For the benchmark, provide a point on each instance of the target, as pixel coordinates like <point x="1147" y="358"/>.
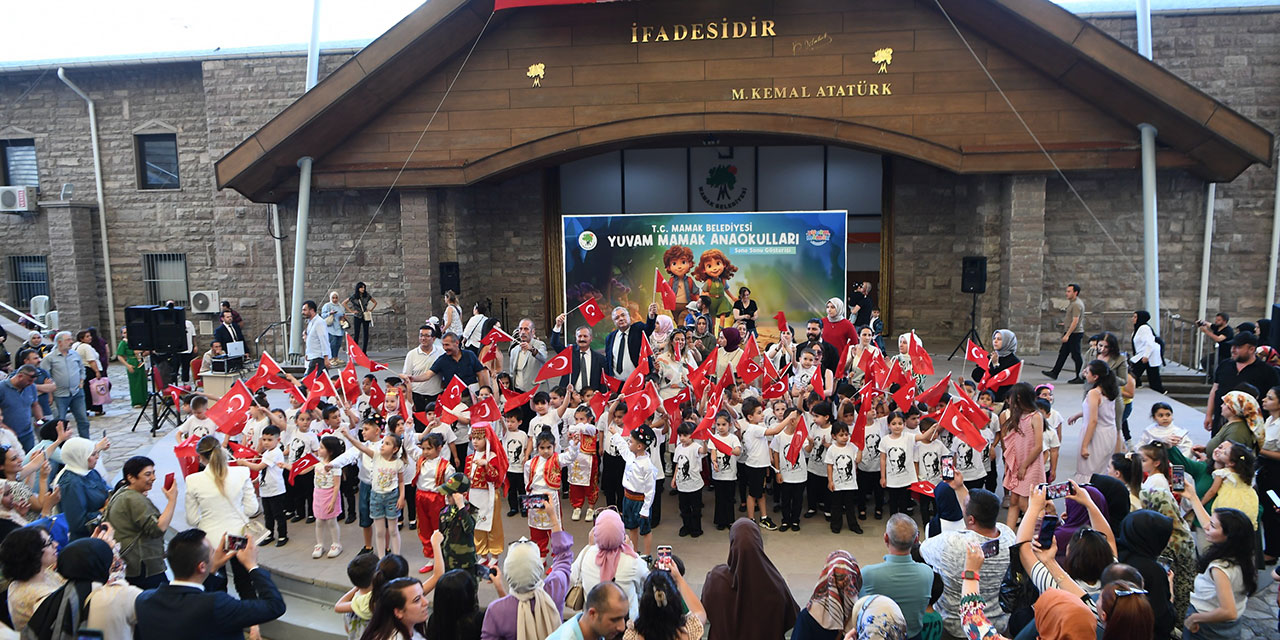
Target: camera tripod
<point x="155" y="405"/>
<point x="963" y="345"/>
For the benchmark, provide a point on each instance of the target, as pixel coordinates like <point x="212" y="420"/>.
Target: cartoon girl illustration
<point x="714" y="271"/>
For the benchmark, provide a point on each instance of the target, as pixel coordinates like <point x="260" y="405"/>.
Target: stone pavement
<point x="798" y="555"/>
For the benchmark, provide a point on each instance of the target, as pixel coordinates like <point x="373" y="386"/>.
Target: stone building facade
<point x="1036" y="234"/>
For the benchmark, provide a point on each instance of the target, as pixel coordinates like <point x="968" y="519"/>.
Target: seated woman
<point x="27" y="558"/>
<point x="1227" y="574"/>
<point x="663" y="607"/>
<point x="536" y="602"/>
<point x="830" y="610"/>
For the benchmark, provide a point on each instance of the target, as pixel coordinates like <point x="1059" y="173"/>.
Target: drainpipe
<point x="102" y="206"/>
<point x="275" y="220"/>
<point x="1275" y="249"/>
<point x="1204" y="261"/>
<point x="304" y="195"/>
<point x="1150" y="242"/>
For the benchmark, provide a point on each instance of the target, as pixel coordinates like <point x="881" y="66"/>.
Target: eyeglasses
<point x="49" y="542"/>
<point x="1130" y="592"/>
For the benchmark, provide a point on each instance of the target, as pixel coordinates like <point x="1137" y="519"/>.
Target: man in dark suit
<point x="184" y="609"/>
<point x="586" y="366"/>
<point x="229" y="331"/>
<point x="622" y="346"/>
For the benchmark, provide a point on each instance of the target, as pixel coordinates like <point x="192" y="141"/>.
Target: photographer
<point x="663" y="602"/>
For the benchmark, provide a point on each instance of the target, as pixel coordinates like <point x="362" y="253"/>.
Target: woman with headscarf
<point x="1243" y="420"/>
<point x="534" y="605"/>
<point x="360" y="306"/>
<point x="877" y="618"/>
<point x="949" y="516"/>
<point x="1116" y="496"/>
<point x="1059" y="615"/>
<point x="746" y="598"/>
<point x="610" y="557"/>
<point x="728" y="354"/>
<point x="84" y="492"/>
<point x="1147" y="352"/>
<point x="837" y="331"/>
<point x="903" y="358"/>
<point x="87" y="567"/>
<point x="1004" y="348"/>
<point x="669" y="608"/>
<point x="1144" y="535"/>
<point x="1181" y="548"/>
<point x="1076" y="518"/>
<point x="830" y="610"/>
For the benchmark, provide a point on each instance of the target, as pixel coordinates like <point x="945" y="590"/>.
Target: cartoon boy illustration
<point x="714" y="271"/>
<point x="679" y="262"/>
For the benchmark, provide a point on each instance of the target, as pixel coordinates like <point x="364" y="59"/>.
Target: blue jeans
<point x="336" y="343"/>
<point x="75" y="404"/>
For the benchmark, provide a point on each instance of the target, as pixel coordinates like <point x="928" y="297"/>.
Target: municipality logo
<point x="587" y="240"/>
<point x="818" y="237"/>
<point x="721" y="190"/>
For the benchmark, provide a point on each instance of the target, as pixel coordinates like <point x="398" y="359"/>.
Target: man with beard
<point x="813" y="339"/>
<point x="1243" y="368"/>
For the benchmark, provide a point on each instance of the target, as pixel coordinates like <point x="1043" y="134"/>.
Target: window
<point x="165" y="277"/>
<point x="157" y="161"/>
<point x="18" y="163"/>
<point x="28" y="277"/>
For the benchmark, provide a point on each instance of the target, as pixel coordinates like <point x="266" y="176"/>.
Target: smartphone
<point x="483" y="573"/>
<point x="1047" y="527"/>
<point x="664" y="556"/>
<point x="1058" y="490"/>
<point x="168" y="481"/>
<point x="1177" y="481"/>
<point x="948" y="468"/>
<point x="1165" y="563"/>
<point x="88" y="634"/>
<point x="990" y="548"/>
<point x="236" y="543"/>
<point x="533" y="501"/>
<point x="1274" y="498"/>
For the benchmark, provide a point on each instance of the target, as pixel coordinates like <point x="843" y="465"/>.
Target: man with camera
<point x="1219" y="331"/>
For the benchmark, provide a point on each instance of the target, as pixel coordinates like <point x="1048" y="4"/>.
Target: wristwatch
<point x="969" y="575"/>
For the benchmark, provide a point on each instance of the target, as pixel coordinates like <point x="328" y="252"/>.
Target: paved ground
<point x="799" y="555"/>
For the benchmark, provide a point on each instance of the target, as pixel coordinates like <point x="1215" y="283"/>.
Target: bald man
<point x="905" y="581"/>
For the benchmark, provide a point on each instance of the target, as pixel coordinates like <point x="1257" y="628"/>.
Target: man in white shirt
<point x="417" y="362"/>
<point x="528" y="353"/>
<point x="317" y="340"/>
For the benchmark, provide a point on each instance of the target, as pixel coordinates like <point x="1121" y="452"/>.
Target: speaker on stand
<point x="973" y="280"/>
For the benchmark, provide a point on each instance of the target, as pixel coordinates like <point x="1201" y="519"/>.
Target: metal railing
<point x="1184" y="344"/>
<point x="275" y="341"/>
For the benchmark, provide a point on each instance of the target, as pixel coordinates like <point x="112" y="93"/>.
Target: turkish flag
<point x="750" y="348"/>
<point x="241" y="452"/>
<point x="175" y="394"/>
<point x="974" y="353"/>
<point x="748" y="369"/>
<point x="703" y="430"/>
<point x="952" y="421"/>
<point x="485" y="411"/>
<point x="1004" y="378"/>
<point x="898" y="376"/>
<point x="452" y="394"/>
<point x="969" y="408"/>
<point x="613" y="383"/>
<point x="865" y="362"/>
<point x="556" y="367"/>
<point x="422" y="417"/>
<point x="495" y="336"/>
<point x="187" y="448"/>
<point x="664" y="289"/>
<point x="591" y="311"/>
<point x="405" y="413"/>
<point x="782" y="321"/>
<point x="797" y="442"/>
<point x="634" y="383"/>
<point x="598" y="402"/>
<point x="842" y="364"/>
<point x="646" y="352"/>
<point x="922" y="487"/>
<point x="515" y="400"/>
<point x="920" y="361"/>
<point x="232" y="410"/>
<point x="817" y="381"/>
<point x="672" y="404"/>
<point x="640" y="406"/>
<point x="720" y="445"/>
<point x="302" y="464"/>
<point x="350" y="384"/>
<point x="904" y="396"/>
<point x="267" y="369"/>
<point x="318" y="386"/>
<point x="725" y="380"/>
<point x="770" y="371"/>
<point x="358" y="356"/>
<point x="776" y="390"/>
<point x="933" y="394"/>
<point x="490" y="354"/>
<point x="377" y="397"/>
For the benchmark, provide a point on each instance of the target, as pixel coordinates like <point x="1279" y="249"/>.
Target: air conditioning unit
<point x="204" y="302"/>
<point x="17" y="199"/>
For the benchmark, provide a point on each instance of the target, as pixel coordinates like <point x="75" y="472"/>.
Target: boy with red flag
<point x="686" y="479"/>
<point x="790" y="454"/>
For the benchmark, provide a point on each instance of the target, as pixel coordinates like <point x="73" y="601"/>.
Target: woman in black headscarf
<point x="1144" y="534"/>
<point x="746" y="598"/>
<point x="82" y="563"/>
<point x="1147" y="354"/>
<point x="1117" y="496"/>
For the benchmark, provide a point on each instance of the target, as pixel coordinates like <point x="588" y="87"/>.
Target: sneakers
<point x="577" y="514"/>
<point x="511" y="513"/>
<point x="767" y="523"/>
<point x="335" y="550"/>
<point x="271" y="537"/>
<point x="413" y="525"/>
<point x="795" y="526"/>
<point x="856" y="528"/>
<point x="786" y="526"/>
<point x="318" y="551"/>
<point x="591" y="515"/>
<point x="297" y="517"/>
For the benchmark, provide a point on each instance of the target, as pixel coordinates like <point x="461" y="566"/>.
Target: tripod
<point x="160" y="410"/>
<point x="973" y="331"/>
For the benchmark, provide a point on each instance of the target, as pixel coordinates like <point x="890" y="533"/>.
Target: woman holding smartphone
<point x="139" y="525"/>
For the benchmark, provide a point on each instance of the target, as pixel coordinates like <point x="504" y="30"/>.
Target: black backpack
<point x="1017" y="593"/>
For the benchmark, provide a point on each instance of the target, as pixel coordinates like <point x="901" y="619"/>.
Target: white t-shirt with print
<point x="384" y="474"/>
<point x="821" y="439"/>
<point x="199" y="427"/>
<point x="515" y="443"/>
<point x="547" y="421"/>
<point x="687" y="465"/>
<point x="929" y="454"/>
<point x="755" y="447"/>
<point x="842" y="461"/>
<point x="791" y="473"/>
<point x="724" y="467"/>
<point x="899" y="454"/>
<point x="871" y="448"/>
<point x="273" y="476"/>
<point x="968" y="461"/>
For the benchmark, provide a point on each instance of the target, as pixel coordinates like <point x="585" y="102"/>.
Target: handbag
<point x="367" y="316"/>
<point x="251" y="529"/>
<point x="329" y="320"/>
<point x="575" y="598"/>
<point x="100" y="390"/>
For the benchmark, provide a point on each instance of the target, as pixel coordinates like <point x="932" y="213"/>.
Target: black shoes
<point x="1049" y="374"/>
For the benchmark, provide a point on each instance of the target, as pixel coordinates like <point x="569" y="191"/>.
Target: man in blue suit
<point x="184" y="609"/>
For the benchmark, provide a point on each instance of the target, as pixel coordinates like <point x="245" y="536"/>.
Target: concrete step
<point x="1189" y="399"/>
<point x="309" y="611"/>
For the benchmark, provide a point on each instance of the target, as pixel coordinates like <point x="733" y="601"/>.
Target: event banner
<point x="790" y="261"/>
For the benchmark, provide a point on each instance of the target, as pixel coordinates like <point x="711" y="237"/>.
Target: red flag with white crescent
<point x="797" y="441"/>
<point x="302" y="464"/>
<point x="231" y="411"/>
<point x="495" y="336"/>
<point x="187" y="448"/>
<point x="452" y="394"/>
<point x="748" y="369"/>
<point x="591" y="311"/>
<point x="377" y="397"/>
<point x="598" y="402"/>
<point x="672" y="404"/>
<point x="664" y="289"/>
<point x="816" y="381"/>
<point x="974" y="353"/>
<point x="350" y="383"/>
<point x="920" y="361"/>
<point x="1004" y="378"/>
<point x="485" y="411"/>
<point x="720" y="445"/>
<point x="515" y="400"/>
<point x="634" y="383"/>
<point x="556" y="367"/>
<point x="640" y="406"/>
<point x="933" y="394"/>
<point x="268" y="368"/>
<point x="613" y="383"/>
<point x="969" y="408"/>
<point x="952" y="421"/>
<point x="775" y="390"/>
<point x="357" y="354"/>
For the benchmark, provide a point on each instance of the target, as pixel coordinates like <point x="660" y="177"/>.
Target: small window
<point x="18" y="163"/>
<point x="28" y="277"/>
<point x="165" y="277"/>
<point x="158" y="161"/>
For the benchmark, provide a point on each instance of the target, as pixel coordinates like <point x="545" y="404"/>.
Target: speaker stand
<point x="156" y="406"/>
<point x="963" y="345"/>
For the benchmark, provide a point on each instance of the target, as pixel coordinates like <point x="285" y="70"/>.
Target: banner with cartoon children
<point x="788" y="261"/>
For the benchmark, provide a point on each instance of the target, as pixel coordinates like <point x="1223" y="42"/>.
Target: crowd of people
<point x="1157" y="536"/>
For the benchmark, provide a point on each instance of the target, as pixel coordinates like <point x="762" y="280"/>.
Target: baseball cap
<point x="1244" y="338"/>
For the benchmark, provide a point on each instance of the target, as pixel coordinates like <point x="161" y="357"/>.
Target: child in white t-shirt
<point x="198" y="424"/>
<point x="898" y="458"/>
<point x="929" y="452"/>
<point x="819" y="422"/>
<point x="755" y="458"/>
<point x="869" y="464"/>
<point x="1052" y="443"/>
<point x="686" y="479"/>
<point x="1164" y="430"/>
<point x="791" y="476"/>
<point x="724" y="468"/>
<point x="842" y="458"/>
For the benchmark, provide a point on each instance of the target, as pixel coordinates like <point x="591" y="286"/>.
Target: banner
<point x="791" y="261"/>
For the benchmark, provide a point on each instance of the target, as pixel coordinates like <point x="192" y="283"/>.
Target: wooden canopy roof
<point x="360" y="122"/>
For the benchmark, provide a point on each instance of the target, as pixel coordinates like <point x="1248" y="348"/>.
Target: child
<point x="274" y="501"/>
<point x="724" y="470"/>
<point x="841" y="458"/>
<point x="756" y="458"/>
<point x="639" y="484"/>
<point x="819" y="423"/>
<point x="1231" y="487"/>
<point x="544" y="420"/>
<point x="1052" y="441"/>
<point x="583" y="489"/>
<point x="304" y="442"/>
<point x="898" y="459"/>
<point x="987" y="400"/>
<point x="1155" y="464"/>
<point x="198" y="424"/>
<point x="355" y="605"/>
<point x="542" y="476"/>
<point x="431" y="472"/>
<point x="1126" y="468"/>
<point x="370" y="431"/>
<point x="486" y="469"/>
<point x="658" y="423"/>
<point x="386" y="496"/>
<point x="868" y="480"/>
<point x="515" y="442"/>
<point x="686" y="478"/>
<point x="434" y="425"/>
<point x="612" y="465"/>
<point x="1163" y="429"/>
<point x="325" y="496"/>
<point x="930" y="454"/>
<point x="458" y="524"/>
<point x="791" y="477"/>
<point x="260" y="416"/>
<point x="969" y="461"/>
<point x="1054" y="421"/>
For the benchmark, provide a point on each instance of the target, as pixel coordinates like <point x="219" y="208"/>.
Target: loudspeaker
<point x="169" y="329"/>
<point x="450" y="277"/>
<point x="137" y="321"/>
<point x="973" y="274"/>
